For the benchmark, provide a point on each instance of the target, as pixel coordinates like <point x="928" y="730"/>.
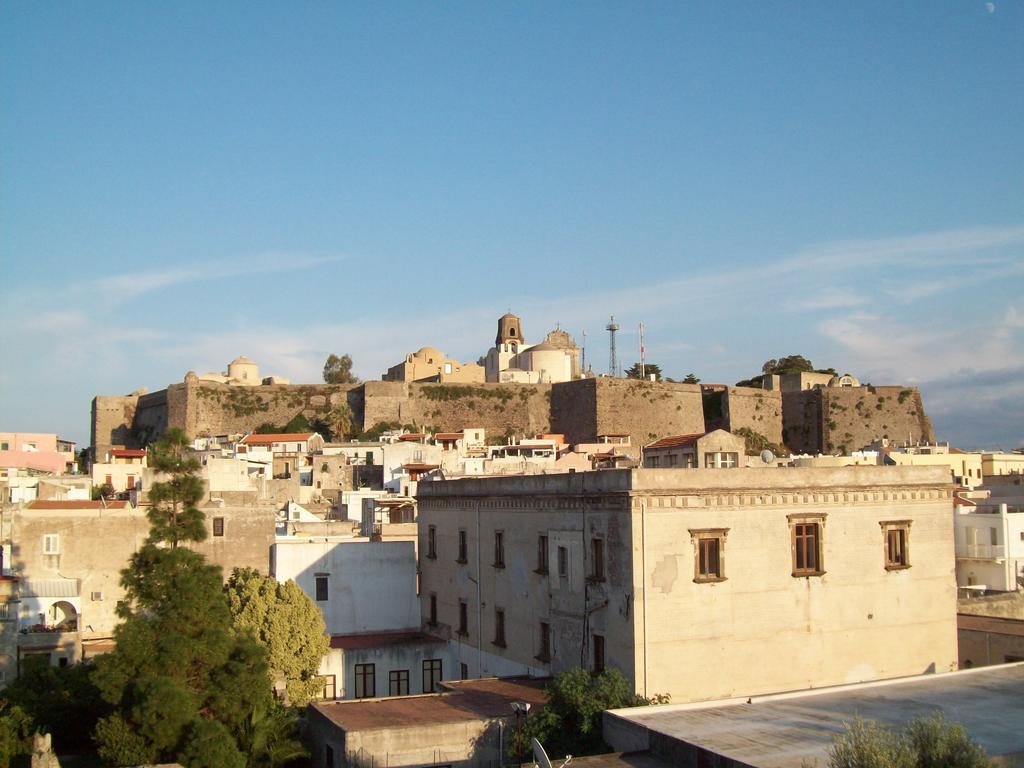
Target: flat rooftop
<point x="785" y="730"/>
<point x="465" y="700"/>
<point x="639" y="481"/>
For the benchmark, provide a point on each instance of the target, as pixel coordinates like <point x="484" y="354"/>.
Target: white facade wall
<point x="371" y="584"/>
<point x="990" y="548"/>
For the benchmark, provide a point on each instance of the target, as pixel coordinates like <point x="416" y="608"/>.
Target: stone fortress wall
<point x="825" y="419"/>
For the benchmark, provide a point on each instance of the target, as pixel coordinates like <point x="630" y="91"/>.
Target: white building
<point x="990" y="548"/>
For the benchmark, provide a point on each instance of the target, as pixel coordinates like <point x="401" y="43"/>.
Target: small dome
<point x="241" y="360"/>
<point x="429" y="352"/>
<point x="545" y="346"/>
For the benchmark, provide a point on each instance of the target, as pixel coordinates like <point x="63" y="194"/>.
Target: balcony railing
<point x="982" y="551"/>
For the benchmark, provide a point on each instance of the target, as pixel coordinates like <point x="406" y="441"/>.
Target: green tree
<point x="287" y="623"/>
<point x="299" y="423"/>
<point x="691" y="379"/>
<point x="338" y="370"/>
<point x="173" y="515"/>
<point x="570" y="723"/>
<point x="633" y="372"/>
<point x="15" y="733"/>
<point x="63" y="702"/>
<point x="182" y="685"/>
<point x="927" y="742"/>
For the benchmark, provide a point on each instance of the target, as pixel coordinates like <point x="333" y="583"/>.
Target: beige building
<point x="432" y="365"/>
<point x="993" y="464"/>
<point x="717" y="449"/>
<point x="512" y="361"/>
<point x="846" y="574"/>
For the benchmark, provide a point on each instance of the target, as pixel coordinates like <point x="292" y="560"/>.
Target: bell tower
<point x="510" y="330"/>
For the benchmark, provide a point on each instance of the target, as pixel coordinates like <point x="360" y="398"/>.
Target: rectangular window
<point x="542" y="554"/>
<point x="598" y="666"/>
<point x="321" y="588"/>
<point x="328" y="756"/>
<point x="130" y="485"/>
<point x="709" y="553"/>
<point x="545" y="642"/>
<point x="218" y="526"/>
<point x="499" y="549"/>
<point x="463" y="548"/>
<point x="109" y="481"/>
<point x="897" y="541"/>
<point x="499" y="627"/>
<point x="366" y="681"/>
<point x="431" y="675"/>
<point x="329" y="690"/>
<point x="398" y="682"/>
<point x="563" y="561"/>
<point x="5" y="612"/>
<point x="51" y="543"/>
<point x="463" y="618"/>
<point x="463" y="671"/>
<point x="433" y="610"/>
<point x="807" y="548"/>
<point x="721" y="460"/>
<point x="597" y="559"/>
<point x="432" y="542"/>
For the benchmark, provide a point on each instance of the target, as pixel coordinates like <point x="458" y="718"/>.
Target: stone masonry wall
<point x="211" y="408"/>
<point x="853" y="417"/>
<point x="759" y="410"/>
<point x="801" y="421"/>
<point x="647" y="410"/>
<point x="112" y="418"/>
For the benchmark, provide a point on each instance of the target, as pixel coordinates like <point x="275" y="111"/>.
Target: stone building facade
<point x="845" y="573"/>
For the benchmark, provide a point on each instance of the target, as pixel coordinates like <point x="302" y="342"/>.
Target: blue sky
<point x="182" y="183"/>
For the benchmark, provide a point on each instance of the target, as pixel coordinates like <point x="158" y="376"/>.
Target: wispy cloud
<point x="134" y="284"/>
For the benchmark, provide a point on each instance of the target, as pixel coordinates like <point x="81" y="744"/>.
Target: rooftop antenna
<point x="612" y="329"/>
<point x="643" y="368"/>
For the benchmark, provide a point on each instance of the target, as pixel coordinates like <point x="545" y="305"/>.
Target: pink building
<point x="35" y="450"/>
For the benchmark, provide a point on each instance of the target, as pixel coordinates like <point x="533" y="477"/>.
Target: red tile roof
<point x="79" y="505"/>
<point x="127" y="453"/>
<point x="448" y="436"/>
<point x="420" y="467"/>
<point x="413" y="437"/>
<point x="675" y="440"/>
<point x="379" y="639"/>
<point x="285" y="437"/>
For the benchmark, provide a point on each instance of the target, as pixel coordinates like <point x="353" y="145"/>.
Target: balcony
<point x="981" y="551"/>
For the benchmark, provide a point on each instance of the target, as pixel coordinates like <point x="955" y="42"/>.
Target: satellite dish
<point x="767" y="456"/>
<point x="539" y="755"/>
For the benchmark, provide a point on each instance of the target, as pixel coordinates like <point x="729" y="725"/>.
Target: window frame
<point x="597" y="654"/>
<point x="542" y="554"/>
<point x="463" y="547"/>
<point x="432" y="542"/>
<point x="398" y="677"/>
<point x="218" y="527"/>
<point x="596" y="559"/>
<point x="361" y="673"/>
<point x="324" y="580"/>
<point x="901" y="527"/>
<point x="798" y="527"/>
<point x="702" y="573"/>
<point x="499" y="628"/>
<point x="463" y="630"/>
<point x="51" y="543"/>
<point x="435" y="669"/>
<point x="544" y="654"/>
<point x="432" y="610"/>
<point x="499" y="549"/>
<point x="563" y="562"/>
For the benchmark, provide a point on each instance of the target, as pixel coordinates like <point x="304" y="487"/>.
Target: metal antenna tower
<point x="613" y="363"/>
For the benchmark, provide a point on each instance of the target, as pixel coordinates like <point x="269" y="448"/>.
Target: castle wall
<point x="853" y="417"/>
<point x="209" y="408"/>
<point x="759" y="410"/>
<point x="112" y="418"/>
<point x="644" y="410"/>
<point x="801" y="421"/>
